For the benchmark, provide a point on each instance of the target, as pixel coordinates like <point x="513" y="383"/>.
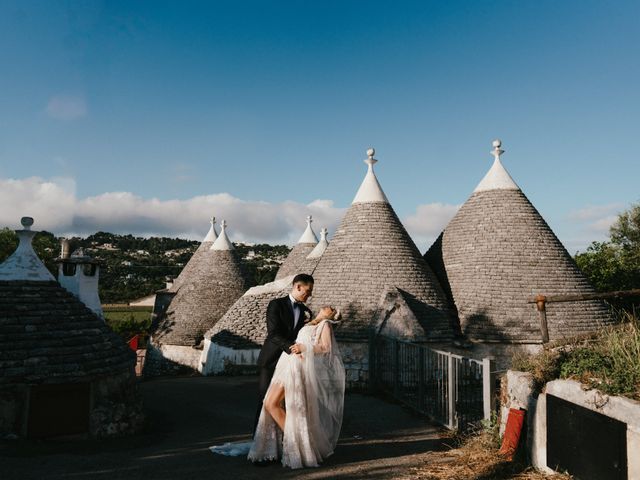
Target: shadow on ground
<point x="186" y="415"/>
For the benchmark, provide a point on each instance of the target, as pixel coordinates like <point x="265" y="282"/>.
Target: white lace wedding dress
<point x="314" y="399"/>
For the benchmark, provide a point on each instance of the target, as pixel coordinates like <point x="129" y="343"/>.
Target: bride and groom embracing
<point x="301" y="385"/>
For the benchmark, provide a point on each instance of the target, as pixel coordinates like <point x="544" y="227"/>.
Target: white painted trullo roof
<point x="212" y="235"/>
<point x="24" y="264"/>
<point x="222" y="242"/>
<point x="370" y="190"/>
<point x="497" y="178"/>
<point x="322" y="245"/>
<point x="309" y="236"/>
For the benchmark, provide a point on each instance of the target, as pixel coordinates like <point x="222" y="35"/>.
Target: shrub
<point x="545" y="366"/>
<point x="610" y="361"/>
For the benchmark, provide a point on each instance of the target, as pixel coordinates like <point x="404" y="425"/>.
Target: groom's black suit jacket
<point x="281" y="333"/>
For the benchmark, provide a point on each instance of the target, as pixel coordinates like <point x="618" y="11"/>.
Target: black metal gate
<point x="449" y="388"/>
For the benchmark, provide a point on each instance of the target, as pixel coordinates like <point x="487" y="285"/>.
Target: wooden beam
<point x="587" y="296"/>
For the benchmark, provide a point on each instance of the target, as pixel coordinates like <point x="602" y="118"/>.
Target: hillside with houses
<point x="133" y="267"/>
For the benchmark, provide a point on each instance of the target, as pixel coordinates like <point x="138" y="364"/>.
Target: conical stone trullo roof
<point x="215" y="282"/>
<point x="496" y="254"/>
<point x="372" y="267"/>
<point x="47" y="335"/>
<point x="195" y="262"/>
<point x="244" y="325"/>
<point x="311" y="262"/>
<point x="299" y="253"/>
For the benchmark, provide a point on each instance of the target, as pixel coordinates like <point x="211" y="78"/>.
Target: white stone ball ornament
<point x="26" y="222"/>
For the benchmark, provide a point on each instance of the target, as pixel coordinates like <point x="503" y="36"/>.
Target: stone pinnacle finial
<point x="496" y="152"/>
<point x="223" y="224"/>
<point x="212" y="221"/>
<point x="370" y="160"/>
<point x="26" y="222"/>
<point x="324" y="232"/>
<point x="309" y="219"/>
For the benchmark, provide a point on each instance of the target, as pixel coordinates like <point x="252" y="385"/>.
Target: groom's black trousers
<point x="264" y="379"/>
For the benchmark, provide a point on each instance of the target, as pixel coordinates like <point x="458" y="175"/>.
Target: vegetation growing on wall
<point x="608" y="360"/>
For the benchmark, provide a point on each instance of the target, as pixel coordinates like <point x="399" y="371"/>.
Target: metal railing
<point x="453" y="390"/>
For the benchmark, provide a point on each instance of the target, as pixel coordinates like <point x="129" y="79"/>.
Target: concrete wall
<point x="215" y="358"/>
<point x="187" y="356"/>
<point x="517" y="392"/>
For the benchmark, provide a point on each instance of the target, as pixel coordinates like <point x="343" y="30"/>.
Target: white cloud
<point x="591" y="212"/>
<point x="427" y="223"/>
<point x="66" y="107"/>
<point x="55" y="207"/>
<point x="589" y="224"/>
<point x="50" y="202"/>
<point x="596" y="218"/>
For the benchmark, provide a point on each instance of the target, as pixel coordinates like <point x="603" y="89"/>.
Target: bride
<point x="302" y="411"/>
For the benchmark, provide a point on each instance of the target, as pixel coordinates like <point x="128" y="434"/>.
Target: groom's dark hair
<point x="302" y="278"/>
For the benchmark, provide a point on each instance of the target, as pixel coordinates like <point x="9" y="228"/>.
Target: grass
<point x="475" y="457"/>
<point x="128" y="321"/>
<point x="606" y="360"/>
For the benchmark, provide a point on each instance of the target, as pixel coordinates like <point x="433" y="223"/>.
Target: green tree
<point x="615" y="264"/>
<point x="8" y="243"/>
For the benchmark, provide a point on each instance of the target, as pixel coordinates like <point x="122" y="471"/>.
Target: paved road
<point x="186" y="415"/>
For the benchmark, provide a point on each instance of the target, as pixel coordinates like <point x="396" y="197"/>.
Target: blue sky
<point x="148" y="117"/>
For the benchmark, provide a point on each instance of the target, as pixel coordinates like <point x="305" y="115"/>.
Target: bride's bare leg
<point x="273" y="404"/>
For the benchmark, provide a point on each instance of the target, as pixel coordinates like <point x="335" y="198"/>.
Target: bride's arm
<point x="323" y="342"/>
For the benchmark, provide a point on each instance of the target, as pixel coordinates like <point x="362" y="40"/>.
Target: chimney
<point x="79" y="274"/>
<point x="65" y="249"/>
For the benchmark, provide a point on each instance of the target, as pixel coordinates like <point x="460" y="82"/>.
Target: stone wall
<point x="13" y="413"/>
<point x="116" y="406"/>
<point x="517" y="392"/>
<point x="355" y="356"/>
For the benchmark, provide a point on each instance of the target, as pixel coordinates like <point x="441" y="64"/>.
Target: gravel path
<point x="188" y="414"/>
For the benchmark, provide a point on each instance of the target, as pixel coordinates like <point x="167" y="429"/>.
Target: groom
<point x="285" y="317"/>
